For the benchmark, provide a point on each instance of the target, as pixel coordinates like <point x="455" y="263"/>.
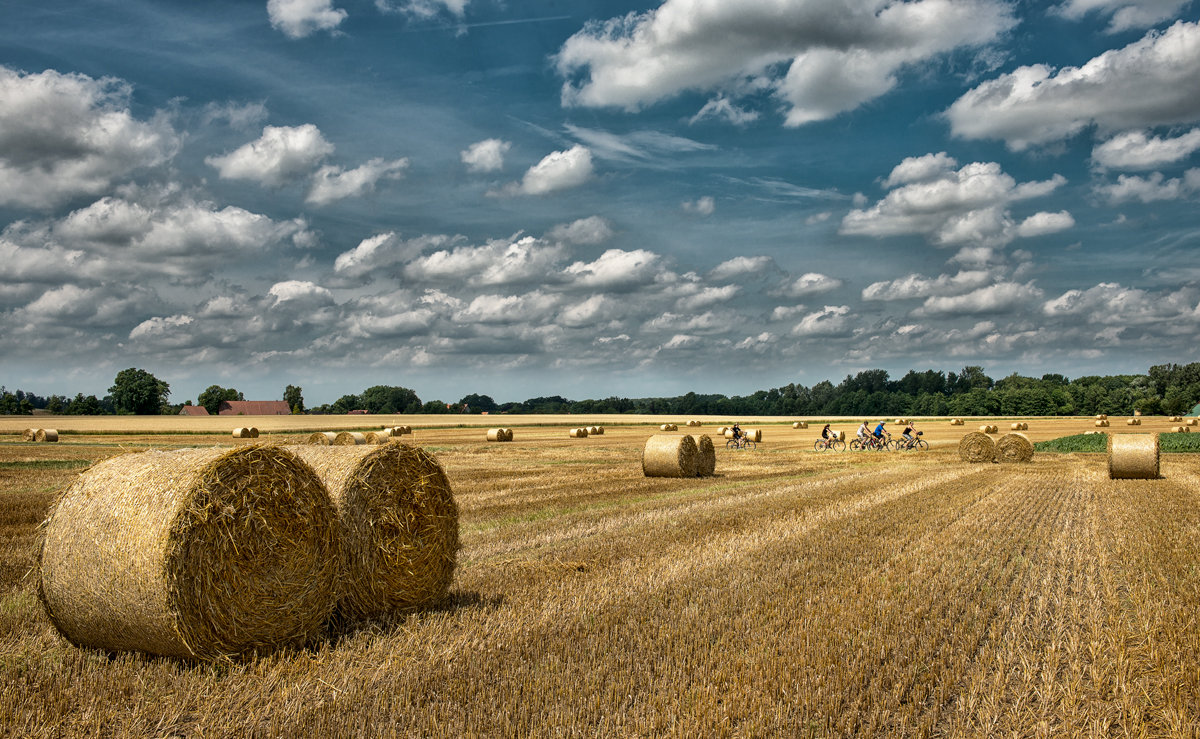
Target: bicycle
<point x="740" y="443"/>
<point x="821" y="445"/>
<point x="917" y="443"/>
<point x="871" y="443"/>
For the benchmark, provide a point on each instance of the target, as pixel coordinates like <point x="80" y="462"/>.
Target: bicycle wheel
<point x="750" y="445"/>
<point x="730" y="444"/>
<point x="886" y="445"/>
<point x="855" y="446"/>
<point x="818" y="446"/>
<point x="839" y="446"/>
<point x="922" y="445"/>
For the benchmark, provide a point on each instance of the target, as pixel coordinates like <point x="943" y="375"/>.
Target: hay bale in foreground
<point x="29" y="435"/>
<point x="578" y="433"/>
<point x="706" y="455"/>
<point x="398" y="525"/>
<point x="46" y="435"/>
<point x="1133" y="456"/>
<point x="349" y="438"/>
<point x="977" y="446"/>
<point x="1014" y="448"/>
<point x="321" y="438"/>
<point x="670" y="456"/>
<point x="191" y="553"/>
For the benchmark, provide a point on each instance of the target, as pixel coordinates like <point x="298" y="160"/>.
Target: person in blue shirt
<point x="878" y="434"/>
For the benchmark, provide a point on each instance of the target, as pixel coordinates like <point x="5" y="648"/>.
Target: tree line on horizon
<point x="1167" y="389"/>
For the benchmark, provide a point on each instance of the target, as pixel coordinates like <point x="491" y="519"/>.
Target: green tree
<point x="212" y="396"/>
<point x="390" y="399"/>
<point x="138" y="392"/>
<point x="293" y="396"/>
<point x="435" y="406"/>
<point x="84" y="406"/>
<point x="480" y="403"/>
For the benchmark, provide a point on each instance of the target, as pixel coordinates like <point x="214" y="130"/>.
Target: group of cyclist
<point x="869" y="438"/>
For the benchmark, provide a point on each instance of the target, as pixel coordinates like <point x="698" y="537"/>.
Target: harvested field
<point x="793" y="594"/>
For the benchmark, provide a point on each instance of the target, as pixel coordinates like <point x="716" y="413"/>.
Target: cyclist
<point x="827" y="435"/>
<point x="878" y="433"/>
<point x="910" y="434"/>
<point x="863" y="432"/>
<point x="737" y="432"/>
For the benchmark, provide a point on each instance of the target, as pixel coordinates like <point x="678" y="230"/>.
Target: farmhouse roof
<point x="254" y="408"/>
<point x="193" y="410"/>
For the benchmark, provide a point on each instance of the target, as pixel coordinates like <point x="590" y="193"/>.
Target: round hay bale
<point x="956" y="422"/>
<point x="977" y="446"/>
<point x="253" y="432"/>
<point x="578" y="433"/>
<point x="1179" y="429"/>
<point x="321" y="438"/>
<point x="241" y="433"/>
<point x="706" y="456"/>
<point x="1014" y="448"/>
<point x="664" y="427"/>
<point x="599" y="431"/>
<point x="670" y="456"/>
<point x="728" y="433"/>
<point x="1102" y="424"/>
<point x="1133" y="456"/>
<point x="495" y="435"/>
<point x="29" y="435"/>
<point x="1190" y="422"/>
<point x="375" y="438"/>
<point x="508" y="434"/>
<point x="1101" y="417"/>
<point x="349" y="438"/>
<point x="1174" y="419"/>
<point x="398" y="524"/>
<point x="191" y="553"/>
<point x="1134" y="422"/>
<point x="754" y="435"/>
<point x="1014" y="426"/>
<point x="46" y="435"/>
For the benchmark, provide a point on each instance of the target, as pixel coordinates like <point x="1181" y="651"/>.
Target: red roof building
<point x="254" y="408"/>
<point x="193" y="410"/>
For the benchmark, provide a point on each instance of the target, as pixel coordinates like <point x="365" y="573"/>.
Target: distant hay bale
<point x="1101" y="417"/>
<point x="191" y="553"/>
<point x="1014" y="448"/>
<point x="400" y="430"/>
<point x="500" y="434"/>
<point x="706" y="456"/>
<point x="241" y="433"/>
<point x="578" y="433"/>
<point x="1179" y="429"/>
<point x="670" y="456"/>
<point x="1102" y="424"/>
<point x="1133" y="456"/>
<point x="1191" y="422"/>
<point x="1174" y="419"/>
<point x="349" y="438"/>
<point x="321" y="438"/>
<point x="398" y="525"/>
<point x="376" y="438"/>
<point x="253" y="432"/>
<point x="46" y="435"/>
<point x="693" y="424"/>
<point x="1014" y="426"/>
<point x="977" y="446"/>
<point x="508" y="434"/>
<point x="721" y="430"/>
<point x="29" y="435"/>
<point x="956" y="422"/>
<point x="600" y="431"/>
<point x="1134" y="422"/>
<point x="728" y="433"/>
<point x="985" y="429"/>
<point x="1024" y="425"/>
<point x="664" y="427"/>
<point x="795" y="424"/>
<point x="754" y="435"/>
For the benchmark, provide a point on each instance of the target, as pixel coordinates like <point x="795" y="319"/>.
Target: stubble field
<point x="794" y="594"/>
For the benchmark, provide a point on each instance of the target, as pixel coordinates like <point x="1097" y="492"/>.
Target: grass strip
<point x="1169" y="443"/>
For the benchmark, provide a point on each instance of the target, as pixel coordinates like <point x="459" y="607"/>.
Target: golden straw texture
<point x="579" y="433"/>
<point x="241" y="433"/>
<point x="398" y="526"/>
<point x="349" y="438"/>
<point x="376" y="438"/>
<point x="706" y="456"/>
<point x="500" y="434"/>
<point x="976" y="447"/>
<point x="1133" y="456"/>
<point x="29" y="435"/>
<point x="191" y="553"/>
<point x="670" y="456"/>
<point x="321" y="438"/>
<point x="754" y="435"/>
<point x="46" y="435"/>
<point x="1014" y="448"/>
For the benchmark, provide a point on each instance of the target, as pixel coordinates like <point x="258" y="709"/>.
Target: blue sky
<point x="593" y="198"/>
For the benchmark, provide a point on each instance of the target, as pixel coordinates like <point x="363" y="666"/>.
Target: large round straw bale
<point x="728" y="433"/>
<point x="349" y="438"/>
<point x="1174" y="419"/>
<point x="578" y="433"/>
<point x="1134" y="422"/>
<point x="598" y="432"/>
<point x="508" y="434"/>
<point x="1102" y="424"/>
<point x="29" y="435"/>
<point x="496" y="435"/>
<point x="1014" y="448"/>
<point x="241" y="433"/>
<point x="321" y="438"/>
<point x="398" y="526"/>
<point x="956" y="422"/>
<point x="1101" y="417"/>
<point x="664" y="427"/>
<point x="375" y="437"/>
<point x="1190" y="422"/>
<point x="976" y="446"/>
<point x="706" y="455"/>
<point x="1179" y="429"/>
<point x="191" y="553"/>
<point x="46" y="435"/>
<point x="1133" y="456"/>
<point x="754" y="435"/>
<point x="670" y="456"/>
<point x="253" y="432"/>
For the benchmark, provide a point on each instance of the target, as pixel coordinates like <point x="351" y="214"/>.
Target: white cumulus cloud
<point x="810" y="283"/>
<point x="486" y="155"/>
<point x="282" y="154"/>
<point x="558" y="170"/>
<point x="1137" y="150"/>
<point x="1148" y="83"/>
<point x="300" y="18"/>
<point x="590" y="230"/>
<point x="1125" y="14"/>
<point x="832" y="320"/>
<point x="332" y="183"/>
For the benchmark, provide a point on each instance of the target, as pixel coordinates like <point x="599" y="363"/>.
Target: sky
<point x="593" y="198"/>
